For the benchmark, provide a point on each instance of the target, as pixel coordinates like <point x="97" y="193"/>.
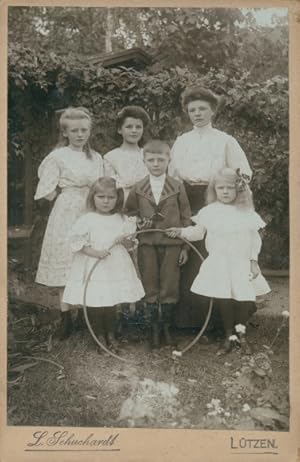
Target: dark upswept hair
<point x="136" y="112"/>
<point x="195" y="93"/>
<point x="105" y="182"/>
<point x="156" y="146"/>
<point x="244" y="198"/>
<point x="74" y="113"/>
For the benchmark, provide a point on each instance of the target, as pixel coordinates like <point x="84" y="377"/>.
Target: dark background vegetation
<point x="51" y="64"/>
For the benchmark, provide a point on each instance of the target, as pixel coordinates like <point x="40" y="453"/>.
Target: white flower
<point x="227" y="414"/>
<point x="246" y="407"/>
<point x="177" y="353"/>
<point x="240" y="328"/>
<point x="233" y="338"/>
<point x="285" y="314"/>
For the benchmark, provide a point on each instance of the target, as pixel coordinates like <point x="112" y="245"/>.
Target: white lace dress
<point x="114" y="279"/>
<point x="73" y="173"/>
<point x="232" y="240"/>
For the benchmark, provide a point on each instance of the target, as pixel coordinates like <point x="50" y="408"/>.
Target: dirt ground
<point x="69" y="383"/>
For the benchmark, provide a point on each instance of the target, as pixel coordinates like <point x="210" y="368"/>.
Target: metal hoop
<point x="103" y="347"/>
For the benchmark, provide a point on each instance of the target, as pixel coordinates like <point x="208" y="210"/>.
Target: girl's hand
<point x="254" y="268"/>
<point x="183" y="257"/>
<point x="102" y="254"/>
<point x="173" y="232"/>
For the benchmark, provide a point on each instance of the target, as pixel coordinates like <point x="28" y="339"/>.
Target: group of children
<point x="103" y="202"/>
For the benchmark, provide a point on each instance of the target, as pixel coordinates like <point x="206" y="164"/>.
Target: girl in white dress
<point x="126" y="163"/>
<point x="65" y="175"/>
<point x="100" y="234"/>
<point x="230" y="273"/>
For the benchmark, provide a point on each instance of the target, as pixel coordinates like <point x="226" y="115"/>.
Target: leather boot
<point x="167" y="335"/>
<point x="167" y="318"/>
<point x="66" y="325"/>
<point x="155" y="335"/>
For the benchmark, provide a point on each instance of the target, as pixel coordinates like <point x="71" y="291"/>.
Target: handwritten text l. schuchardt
<point x="63" y="439"/>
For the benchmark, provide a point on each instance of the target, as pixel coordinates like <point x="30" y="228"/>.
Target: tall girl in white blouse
<point x="230" y="274"/>
<point x="125" y="164"/>
<point x="195" y="158"/>
<point x="65" y="175"/>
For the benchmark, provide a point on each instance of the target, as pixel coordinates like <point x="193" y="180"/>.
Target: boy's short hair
<point x="199" y="93"/>
<point x="156" y="147"/>
<point x="135" y="112"/>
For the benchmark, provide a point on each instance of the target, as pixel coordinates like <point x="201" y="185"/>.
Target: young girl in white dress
<point x="65" y="175"/>
<point x="100" y="234"/>
<point x="230" y="273"/>
<point x="126" y="163"/>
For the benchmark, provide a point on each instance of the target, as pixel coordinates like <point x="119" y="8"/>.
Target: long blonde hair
<point x="74" y="113"/>
<point x="244" y="195"/>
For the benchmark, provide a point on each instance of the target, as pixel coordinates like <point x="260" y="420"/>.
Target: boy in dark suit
<point x="159" y="201"/>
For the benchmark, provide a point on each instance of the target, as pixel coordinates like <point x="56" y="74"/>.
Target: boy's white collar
<point x="159" y="179"/>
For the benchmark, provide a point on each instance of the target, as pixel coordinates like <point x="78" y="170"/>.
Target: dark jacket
<point x="173" y="209"/>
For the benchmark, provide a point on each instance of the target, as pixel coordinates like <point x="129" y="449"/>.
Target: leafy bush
<point x="255" y="113"/>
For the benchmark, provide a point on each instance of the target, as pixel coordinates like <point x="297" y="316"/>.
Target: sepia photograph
<point x="137" y="134"/>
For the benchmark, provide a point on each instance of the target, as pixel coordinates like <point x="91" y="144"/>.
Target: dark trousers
<point x="235" y="312"/>
<point x="160" y="272"/>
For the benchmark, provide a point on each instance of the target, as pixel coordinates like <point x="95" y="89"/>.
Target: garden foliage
<point x="254" y="112"/>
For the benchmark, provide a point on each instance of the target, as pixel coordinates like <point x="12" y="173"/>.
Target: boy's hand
<point x="173" y="232"/>
<point x="183" y="257"/>
<point x="254" y="268"/>
<point x="144" y="223"/>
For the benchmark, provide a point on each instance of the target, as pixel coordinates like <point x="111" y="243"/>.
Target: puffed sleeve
<point x="236" y="158"/>
<point x="129" y="226"/>
<point x="80" y="234"/>
<point x="197" y="232"/>
<point x="176" y="152"/>
<point x="256" y="241"/>
<point x="99" y="164"/>
<point x="255" y="245"/>
<point x="109" y="170"/>
<point x="48" y="174"/>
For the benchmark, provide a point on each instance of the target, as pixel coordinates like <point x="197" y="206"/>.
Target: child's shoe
<point x="111" y="342"/>
<point x="225" y="348"/>
<point x="66" y="325"/>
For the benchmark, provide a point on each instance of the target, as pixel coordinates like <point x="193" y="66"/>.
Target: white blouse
<point x="198" y="154"/>
<point x="126" y="167"/>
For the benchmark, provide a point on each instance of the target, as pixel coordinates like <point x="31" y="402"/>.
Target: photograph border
<point x="174" y="445"/>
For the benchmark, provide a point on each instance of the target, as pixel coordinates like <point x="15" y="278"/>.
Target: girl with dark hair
<point x="100" y="234"/>
<point x="230" y="274"/>
<point x="196" y="156"/>
<point x="66" y="175"/>
<point x="125" y="163"/>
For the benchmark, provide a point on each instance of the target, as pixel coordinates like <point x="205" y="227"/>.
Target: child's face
<point x="77" y="132"/>
<point x="156" y="163"/>
<point x="105" y="200"/>
<point x="226" y="191"/>
<point x="200" y="113"/>
<point x="131" y="130"/>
